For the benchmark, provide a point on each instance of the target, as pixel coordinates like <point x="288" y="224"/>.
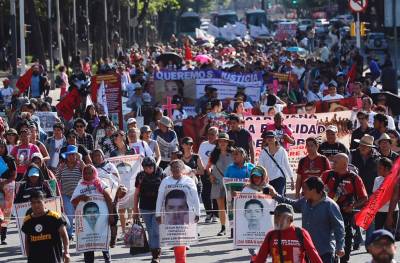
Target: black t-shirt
<point x="149" y="185"/>
<point x="81" y="149"/>
<point x="332" y="149"/>
<point x="242" y="138"/>
<point x="44" y="240"/>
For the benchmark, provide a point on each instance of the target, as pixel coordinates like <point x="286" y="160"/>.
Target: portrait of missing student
<point x="91" y="214"/>
<point x="176" y="208"/>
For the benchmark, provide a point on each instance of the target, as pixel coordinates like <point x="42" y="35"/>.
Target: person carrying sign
<point x="45" y="233"/>
<point x="287" y="243"/>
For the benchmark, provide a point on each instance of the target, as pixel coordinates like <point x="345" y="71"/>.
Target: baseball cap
<point x="187" y="140"/>
<point x="332" y="83"/>
<point x="33" y="172"/>
<point x="378" y="234"/>
<point x="267" y="134"/>
<point x="332" y="128"/>
<point x="283" y="208"/>
<point x="130" y="121"/>
<point x="37" y="155"/>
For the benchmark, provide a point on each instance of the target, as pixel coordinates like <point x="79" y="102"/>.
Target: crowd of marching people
<point x="331" y="183"/>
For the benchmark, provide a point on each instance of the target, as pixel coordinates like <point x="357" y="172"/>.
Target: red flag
<point x="67" y="106"/>
<point x="352" y="74"/>
<point x="378" y="199"/>
<point x="24" y="81"/>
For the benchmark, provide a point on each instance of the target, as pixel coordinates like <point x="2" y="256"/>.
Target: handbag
<point x="136" y="239"/>
<point x="139" y="118"/>
<point x="276" y="163"/>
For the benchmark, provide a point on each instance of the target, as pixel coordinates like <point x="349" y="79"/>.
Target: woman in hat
<point x="274" y="158"/>
<point x="68" y="175"/>
<point x="167" y="140"/>
<point x="8" y="175"/>
<point x="145" y="135"/>
<point x="11" y="139"/>
<point x="220" y="159"/>
<point x="394" y="137"/>
<point x="178" y="115"/>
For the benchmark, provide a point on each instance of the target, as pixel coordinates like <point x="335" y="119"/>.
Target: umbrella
<point x="166" y="57"/>
<point x="203" y="59"/>
<point x="296" y="49"/>
<point x="392" y="101"/>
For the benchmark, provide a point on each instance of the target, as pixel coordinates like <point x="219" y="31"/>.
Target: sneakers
<point x="3" y="242"/>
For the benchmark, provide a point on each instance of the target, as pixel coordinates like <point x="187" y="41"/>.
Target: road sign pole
<point x="358" y="32"/>
<point x="22" y="34"/>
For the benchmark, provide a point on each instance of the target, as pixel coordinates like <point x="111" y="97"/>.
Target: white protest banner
<point x="91" y="225"/>
<point x="47" y="119"/>
<point x="21" y="210"/>
<point x="128" y="167"/>
<point x="213" y="30"/>
<point x="240" y="29"/>
<point x="303" y="126"/>
<point x="252" y="219"/>
<point x="178" y="226"/>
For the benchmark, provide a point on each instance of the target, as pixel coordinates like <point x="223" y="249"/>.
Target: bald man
<point x="348" y="190"/>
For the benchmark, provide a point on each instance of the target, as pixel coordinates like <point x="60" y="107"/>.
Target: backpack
<point x="300" y="238"/>
<point x="338" y="180"/>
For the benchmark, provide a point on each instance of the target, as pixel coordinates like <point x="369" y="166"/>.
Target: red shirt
<point x="345" y="189"/>
<point x="279" y="134"/>
<point x="22" y="155"/>
<point x="291" y="248"/>
<point x="308" y="168"/>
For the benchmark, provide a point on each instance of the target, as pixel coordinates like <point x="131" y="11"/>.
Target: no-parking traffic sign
<point x="358" y="5"/>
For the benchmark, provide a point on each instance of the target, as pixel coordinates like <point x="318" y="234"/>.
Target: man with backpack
<point x="287" y="243"/>
<point x="347" y="189"/>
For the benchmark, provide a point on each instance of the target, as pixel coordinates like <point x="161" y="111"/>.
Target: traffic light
<point x="363" y="29"/>
<point x="294" y="2"/>
<point x="27" y="29"/>
<point x="353" y="29"/>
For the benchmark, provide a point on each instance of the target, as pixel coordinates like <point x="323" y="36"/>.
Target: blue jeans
<point x="149" y="217"/>
<point x="70" y="212"/>
<point x="328" y="258"/>
<point x="279" y="185"/>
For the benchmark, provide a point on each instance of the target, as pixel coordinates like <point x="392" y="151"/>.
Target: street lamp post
<point x="13" y="17"/>
<point x="50" y="41"/>
<point x="22" y="33"/>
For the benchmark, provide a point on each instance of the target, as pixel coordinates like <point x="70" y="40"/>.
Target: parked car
<point x="376" y="41"/>
<point x="321" y="26"/>
<point x="347" y="19"/>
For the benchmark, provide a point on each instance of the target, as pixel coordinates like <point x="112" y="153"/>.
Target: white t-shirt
<point x="56" y="156"/>
<point x="205" y="150"/>
<point x="107" y="174"/>
<point x="142" y="148"/>
<point x="377" y="183"/>
<point x="329" y="97"/>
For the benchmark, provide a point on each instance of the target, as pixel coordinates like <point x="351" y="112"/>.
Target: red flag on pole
<point x="67" y="106"/>
<point x="378" y="199"/>
<point x="352" y="74"/>
<point x="24" y="81"/>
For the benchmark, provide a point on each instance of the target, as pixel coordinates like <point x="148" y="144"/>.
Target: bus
<point x="188" y="22"/>
<point x="225" y="17"/>
<point x="256" y="17"/>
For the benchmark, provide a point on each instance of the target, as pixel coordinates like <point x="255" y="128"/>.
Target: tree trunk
<point x="36" y="34"/>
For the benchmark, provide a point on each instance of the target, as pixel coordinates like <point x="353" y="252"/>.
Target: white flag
<point x="101" y="97"/>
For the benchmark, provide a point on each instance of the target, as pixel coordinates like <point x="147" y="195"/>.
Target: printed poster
<point x="252" y="219"/>
<point x="178" y="226"/>
<point x="7" y="201"/>
<point x="23" y="209"/>
<point x="91" y="225"/>
<point x="47" y="120"/>
<point x="233" y="185"/>
<point x="128" y="167"/>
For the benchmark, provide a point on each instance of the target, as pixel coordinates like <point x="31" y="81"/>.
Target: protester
<point x="283" y="134"/>
<point x="90" y="185"/>
<point x="299" y="242"/>
<point x="145" y="135"/>
<point x="139" y="146"/>
<point x="167" y="140"/>
<point x="275" y="159"/>
<point x="54" y="145"/>
<point x="205" y="150"/>
<point x="363" y="129"/>
<point x="147" y="185"/>
<point x="332" y="146"/>
<point x="71" y="140"/>
<point x="7" y="182"/>
<point x="241" y="136"/>
<point x="49" y="242"/>
<point x="381" y="246"/>
<point x="221" y="157"/>
<point x="178" y="180"/>
<point x="106" y="142"/>
<point x="348" y="191"/>
<point x="193" y="161"/>
<point x="317" y="209"/>
<point x="313" y="164"/>
<point x="83" y="138"/>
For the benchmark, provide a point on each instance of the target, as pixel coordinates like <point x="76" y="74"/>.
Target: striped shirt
<point x="68" y="178"/>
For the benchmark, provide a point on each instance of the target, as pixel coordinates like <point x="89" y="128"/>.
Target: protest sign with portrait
<point x="128" y="167"/>
<point x="47" y="120"/>
<point x="23" y="209"/>
<point x="178" y="226"/>
<point x="91" y="225"/>
<point x="252" y="219"/>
